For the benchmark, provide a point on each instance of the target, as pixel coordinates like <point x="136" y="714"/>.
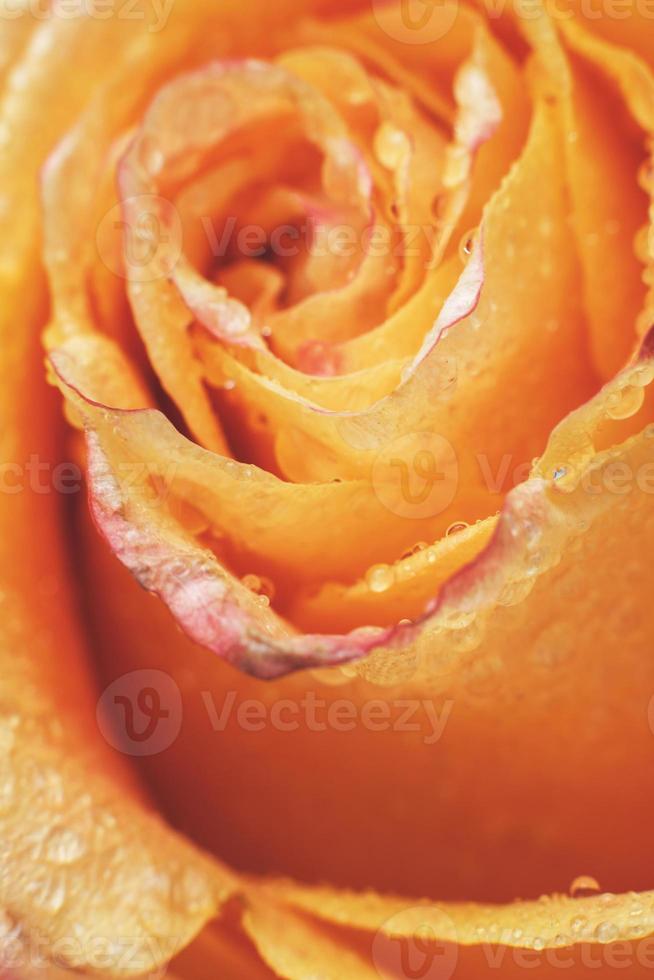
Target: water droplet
<point x="467" y="244"/>
<point x="358" y="95"/>
<point x="150" y="156"/>
<point x="606" y="932"/>
<point x="578" y="925"/>
<point x="584" y="885"/>
<point x="261" y="585"/>
<point x="559" y="472"/>
<point x="416" y="549"/>
<point x="643" y="374"/>
<point x="625" y="402"/>
<point x="456" y="527"/>
<point x="379" y="578"/>
<point x="318" y="357"/>
<point x="229" y="384"/>
<point x="232" y="317"/>
<point x="515" y="592"/>
<point x="391" y="145"/>
<point x="189" y="892"/>
<point x="64" y="846"/>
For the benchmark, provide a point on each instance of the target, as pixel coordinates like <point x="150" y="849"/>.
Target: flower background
<point x="531" y="684"/>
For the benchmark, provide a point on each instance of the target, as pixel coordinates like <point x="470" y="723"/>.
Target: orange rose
<point x="350" y="305"/>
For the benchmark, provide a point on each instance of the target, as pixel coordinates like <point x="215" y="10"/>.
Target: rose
<point x="472" y="752"/>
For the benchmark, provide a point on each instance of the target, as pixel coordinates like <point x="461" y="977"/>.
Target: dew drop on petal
<point x="455" y="528"/>
<point x="578" y="925"/>
<point x="606" y="932"/>
<point x="234" y="318"/>
<point x="416" y="549"/>
<point x="150" y="156"/>
<point x="262" y="586"/>
<point x="583" y="885"/>
<point x="467" y="244"/>
<point x="643" y="374"/>
<point x="625" y="402"/>
<point x="64" y="846"/>
<point x="391" y="145"/>
<point x="358" y="95"/>
<point x="379" y="578"/>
